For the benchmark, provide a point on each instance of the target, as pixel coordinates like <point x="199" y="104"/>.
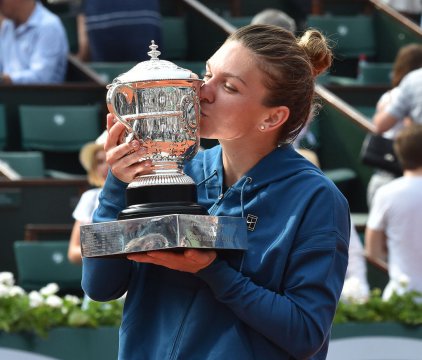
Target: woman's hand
<point x="124" y="159"/>
<point x="190" y="260"/>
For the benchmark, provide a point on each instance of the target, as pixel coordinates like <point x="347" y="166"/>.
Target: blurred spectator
<point x="33" y="44"/>
<point x="409" y="58"/>
<point x="406" y="104"/>
<point x="93" y="158"/>
<point x="412" y="9"/>
<point x="114" y="31"/>
<point x="394" y="227"/>
<point x="275" y="17"/>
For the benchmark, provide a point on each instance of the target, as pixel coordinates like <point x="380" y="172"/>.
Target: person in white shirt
<point x="409" y="58"/>
<point x="93" y="158"/>
<point x="394" y="227"/>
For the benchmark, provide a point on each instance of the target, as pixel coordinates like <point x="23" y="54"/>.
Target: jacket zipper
<point x="217" y="203"/>
<point x="174" y="350"/>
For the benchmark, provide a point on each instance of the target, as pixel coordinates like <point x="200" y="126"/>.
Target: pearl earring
<point x="262" y="127"/>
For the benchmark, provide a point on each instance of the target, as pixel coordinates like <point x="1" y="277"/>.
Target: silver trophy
<point x="158" y="103"/>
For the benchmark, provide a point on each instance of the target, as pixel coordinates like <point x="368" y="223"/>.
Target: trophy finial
<point x="154" y="53"/>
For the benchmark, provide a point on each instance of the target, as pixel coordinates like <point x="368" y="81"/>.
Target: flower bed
<point x="66" y="328"/>
<point x="39" y="311"/>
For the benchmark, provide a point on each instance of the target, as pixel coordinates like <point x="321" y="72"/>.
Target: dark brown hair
<point x="290" y="66"/>
<point x="408" y="58"/>
<point x="408" y="147"/>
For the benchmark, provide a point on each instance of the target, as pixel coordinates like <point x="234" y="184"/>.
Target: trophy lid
<point x="154" y="69"/>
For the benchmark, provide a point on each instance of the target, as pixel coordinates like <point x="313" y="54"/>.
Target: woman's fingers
<point x="115" y="131"/>
<point x="129" y="165"/>
<point x="124" y="159"/>
<point x="191" y="260"/>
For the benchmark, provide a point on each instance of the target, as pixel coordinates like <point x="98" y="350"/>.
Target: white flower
<point x="6" y="278"/>
<point x="4" y="291"/>
<point x="16" y="291"/>
<point x="353" y="291"/>
<point x="106" y="306"/>
<point x="49" y="289"/>
<point x="403" y="281"/>
<point x="54" y="301"/>
<point x="72" y="299"/>
<point x="35" y="299"/>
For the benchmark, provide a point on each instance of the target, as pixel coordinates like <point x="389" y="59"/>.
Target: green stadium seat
<point x="42" y="262"/>
<point x="374" y="73"/>
<point x="58" y="128"/>
<point x="368" y="111"/>
<point x="108" y="71"/>
<point x="28" y="164"/>
<point x="239" y="21"/>
<point x="175" y="38"/>
<point x="351" y="35"/>
<point x="3" y="132"/>
<point x="69" y="22"/>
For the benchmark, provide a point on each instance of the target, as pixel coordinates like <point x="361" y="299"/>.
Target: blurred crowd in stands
<point x="34" y="49"/>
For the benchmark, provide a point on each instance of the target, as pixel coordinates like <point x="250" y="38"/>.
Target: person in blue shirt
<point x="277" y="299"/>
<point x="33" y="44"/>
<point x="118" y="31"/>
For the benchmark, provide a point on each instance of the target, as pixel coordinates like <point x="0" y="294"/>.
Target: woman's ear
<point x="276" y="118"/>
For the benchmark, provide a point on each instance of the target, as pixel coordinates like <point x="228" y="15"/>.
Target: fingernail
<point x="135" y="144"/>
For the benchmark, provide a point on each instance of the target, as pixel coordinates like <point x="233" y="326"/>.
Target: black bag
<point x="377" y="151"/>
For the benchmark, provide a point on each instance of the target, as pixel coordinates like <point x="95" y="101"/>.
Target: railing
<point x="381" y="6"/>
<point x="211" y="16"/>
<point x="342" y="106"/>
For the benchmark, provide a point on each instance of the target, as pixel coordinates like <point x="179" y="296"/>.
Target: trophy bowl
<point x="158" y="103"/>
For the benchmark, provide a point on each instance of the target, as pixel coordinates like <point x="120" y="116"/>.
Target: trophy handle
<point x="128" y="92"/>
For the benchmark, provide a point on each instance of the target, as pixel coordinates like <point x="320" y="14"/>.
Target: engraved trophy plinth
<point x="158" y="103"/>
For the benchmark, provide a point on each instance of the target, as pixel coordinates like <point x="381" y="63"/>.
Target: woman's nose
<point x="205" y="93"/>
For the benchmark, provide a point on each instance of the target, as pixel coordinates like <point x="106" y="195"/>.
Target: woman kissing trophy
<point x="158" y="103"/>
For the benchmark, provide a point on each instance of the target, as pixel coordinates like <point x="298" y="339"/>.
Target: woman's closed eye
<point x="230" y="88"/>
<point x="207" y="76"/>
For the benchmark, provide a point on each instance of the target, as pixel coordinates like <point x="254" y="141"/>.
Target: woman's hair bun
<point x="317" y="49"/>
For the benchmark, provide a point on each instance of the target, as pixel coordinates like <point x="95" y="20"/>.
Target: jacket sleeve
<point x="298" y="317"/>
<point x="107" y="279"/>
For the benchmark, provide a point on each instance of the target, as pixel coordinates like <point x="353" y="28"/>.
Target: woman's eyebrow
<point x="227" y="74"/>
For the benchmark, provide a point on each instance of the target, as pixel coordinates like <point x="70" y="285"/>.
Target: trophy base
<point x="161" y="193"/>
<point x="162" y="208"/>
<point x="166" y="232"/>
